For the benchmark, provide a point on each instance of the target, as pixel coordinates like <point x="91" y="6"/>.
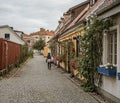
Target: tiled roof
<point x="27" y="36"/>
<point x="91" y="9"/>
<point x="69" y="22"/>
<point x="107" y="4"/>
<point x="79" y="16"/>
<point x="43" y="32"/>
<point x="76" y="6"/>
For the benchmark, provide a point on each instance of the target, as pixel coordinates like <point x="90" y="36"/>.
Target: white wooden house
<point x="8" y="33"/>
<point x="111" y="48"/>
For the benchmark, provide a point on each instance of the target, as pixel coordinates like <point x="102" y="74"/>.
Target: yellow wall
<point x="75" y="33"/>
<point x="45" y="53"/>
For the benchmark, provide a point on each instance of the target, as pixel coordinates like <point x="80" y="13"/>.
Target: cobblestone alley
<point x="34" y="83"/>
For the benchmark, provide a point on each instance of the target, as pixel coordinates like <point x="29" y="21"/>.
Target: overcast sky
<point x="30" y="15"/>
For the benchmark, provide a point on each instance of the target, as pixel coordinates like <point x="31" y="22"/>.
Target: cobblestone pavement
<point x="34" y="83"/>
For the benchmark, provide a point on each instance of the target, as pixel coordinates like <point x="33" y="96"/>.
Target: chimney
<point x="11" y="27"/>
<point x="42" y="29"/>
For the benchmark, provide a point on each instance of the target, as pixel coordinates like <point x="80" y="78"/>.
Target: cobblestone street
<point x="34" y="83"/>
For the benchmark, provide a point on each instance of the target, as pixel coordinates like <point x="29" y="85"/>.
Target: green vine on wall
<point x="64" y="52"/>
<point x="67" y="46"/>
<point x="91" y="51"/>
<point x="53" y="48"/>
<point x="71" y="49"/>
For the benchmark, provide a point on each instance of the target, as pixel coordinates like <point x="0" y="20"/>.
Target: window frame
<point x="111" y="47"/>
<point x="7" y="36"/>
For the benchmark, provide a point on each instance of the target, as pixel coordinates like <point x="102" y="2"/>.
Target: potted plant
<point x="107" y="69"/>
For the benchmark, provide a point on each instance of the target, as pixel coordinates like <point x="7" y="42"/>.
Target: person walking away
<point x="49" y="61"/>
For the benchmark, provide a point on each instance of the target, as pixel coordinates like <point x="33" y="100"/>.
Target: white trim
<point x="105" y="45"/>
<point x="114" y="27"/>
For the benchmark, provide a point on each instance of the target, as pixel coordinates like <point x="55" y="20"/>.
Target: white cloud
<point x="29" y="15"/>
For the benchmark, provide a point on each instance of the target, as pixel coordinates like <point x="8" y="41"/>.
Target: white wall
<point x="36" y="37"/>
<point x="47" y="38"/>
<point x="13" y="36"/>
<point x="112" y="84"/>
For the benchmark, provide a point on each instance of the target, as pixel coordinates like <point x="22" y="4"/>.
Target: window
<point x="28" y="41"/>
<point x="112" y="47"/>
<point x="92" y="2"/>
<point x="7" y="36"/>
<point x="77" y="48"/>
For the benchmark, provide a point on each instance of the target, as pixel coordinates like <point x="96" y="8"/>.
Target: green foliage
<point x="53" y="48"/>
<point x="39" y="45"/>
<point x="91" y="51"/>
<point x="71" y="49"/>
<point x="64" y="52"/>
<point x="17" y="64"/>
<point x="88" y="87"/>
<point x="25" y="53"/>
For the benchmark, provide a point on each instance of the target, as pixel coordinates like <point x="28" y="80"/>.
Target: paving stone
<point x="34" y="83"/>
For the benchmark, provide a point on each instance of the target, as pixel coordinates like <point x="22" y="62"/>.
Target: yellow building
<point x="69" y="34"/>
<point x="45" y="52"/>
<point x="72" y="50"/>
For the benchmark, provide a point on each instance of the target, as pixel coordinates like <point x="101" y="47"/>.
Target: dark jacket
<point x="48" y="57"/>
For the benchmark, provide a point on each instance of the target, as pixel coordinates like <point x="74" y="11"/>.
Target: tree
<point x="39" y="45"/>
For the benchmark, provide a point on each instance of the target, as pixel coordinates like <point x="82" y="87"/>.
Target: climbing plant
<point x="53" y="48"/>
<point x="91" y="51"/>
<point x="64" y="52"/>
<point x="71" y="49"/>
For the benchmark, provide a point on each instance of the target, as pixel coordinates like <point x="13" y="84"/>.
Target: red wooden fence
<point x="9" y="53"/>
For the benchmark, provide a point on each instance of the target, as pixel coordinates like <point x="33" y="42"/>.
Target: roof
<point x="76" y="6"/>
<point x="108" y="4"/>
<point x="69" y="22"/>
<point x="4" y="26"/>
<point x="43" y="32"/>
<point x="79" y="16"/>
<point x="92" y="9"/>
<point x="27" y="36"/>
<point x="19" y="31"/>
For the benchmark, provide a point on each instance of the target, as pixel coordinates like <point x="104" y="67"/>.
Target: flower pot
<point x="108" y="72"/>
<point x="118" y="76"/>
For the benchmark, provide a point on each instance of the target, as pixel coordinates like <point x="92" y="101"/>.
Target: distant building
<point x="29" y="41"/>
<point x="46" y="35"/>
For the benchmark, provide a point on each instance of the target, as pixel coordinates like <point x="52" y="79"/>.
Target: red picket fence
<point x="9" y="53"/>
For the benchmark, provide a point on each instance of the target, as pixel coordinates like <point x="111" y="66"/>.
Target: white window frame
<point x="7" y="38"/>
<point x="112" y="54"/>
<point x="105" y="45"/>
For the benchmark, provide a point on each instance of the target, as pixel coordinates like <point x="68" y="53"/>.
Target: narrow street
<point x="34" y="83"/>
